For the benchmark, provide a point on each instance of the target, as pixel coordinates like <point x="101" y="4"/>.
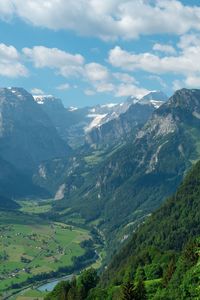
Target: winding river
<point x="49" y="286"/>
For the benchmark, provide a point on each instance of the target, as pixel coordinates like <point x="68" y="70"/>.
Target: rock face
<point x="15" y="184"/>
<point x="79" y="125"/>
<point x="120" y="128"/>
<point x="27" y="138"/>
<point x="125" y="124"/>
<point x="62" y="118"/>
<point x="135" y="179"/>
<point x="74" y="124"/>
<point x="27" y="135"/>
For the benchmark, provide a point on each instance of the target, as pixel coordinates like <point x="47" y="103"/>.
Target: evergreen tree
<point x="140" y="291"/>
<point x="88" y="280"/>
<point x="60" y="292"/>
<point x="128" y="291"/>
<point x="140" y="274"/>
<point x="169" y="272"/>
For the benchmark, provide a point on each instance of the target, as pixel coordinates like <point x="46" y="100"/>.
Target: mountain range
<point x="27" y="137"/>
<point x="125" y="125"/>
<point x="110" y="167"/>
<point x="134" y="161"/>
<point x="122" y="187"/>
<point x="159" y="262"/>
<point x="92" y="125"/>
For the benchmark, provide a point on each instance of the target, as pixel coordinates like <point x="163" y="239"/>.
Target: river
<point x="49" y="286"/>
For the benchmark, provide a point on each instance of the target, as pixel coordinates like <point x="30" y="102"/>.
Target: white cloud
<point x="125" y="90"/>
<point x="89" y="92"/>
<point x="99" y="77"/>
<point x="10" y="64"/>
<point x="164" y="48"/>
<point x="104" y="87"/>
<point x="36" y="91"/>
<point x="64" y="63"/>
<point x="177" y="85"/>
<point x="63" y="87"/>
<point x="6" y="9"/>
<point x="110" y="19"/>
<point x="96" y="72"/>
<point x="186" y="62"/>
<point x="193" y="81"/>
<point x="189" y="40"/>
<point x="103" y="80"/>
<point x="158" y="79"/>
<point x="124" y="77"/>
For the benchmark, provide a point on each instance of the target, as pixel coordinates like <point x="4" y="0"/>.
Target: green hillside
<point x="120" y="191"/>
<point x="161" y="261"/>
<point x="166" y="247"/>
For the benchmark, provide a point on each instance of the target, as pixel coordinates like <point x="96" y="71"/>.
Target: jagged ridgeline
<point x="133" y="180"/>
<point x="160" y="262"/>
<point x="27" y="137"/>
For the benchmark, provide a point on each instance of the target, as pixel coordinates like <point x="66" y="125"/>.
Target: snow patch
<point x="109" y="105"/>
<point x="97" y="118"/>
<point x="40" y="99"/>
<point x="72" y="108"/>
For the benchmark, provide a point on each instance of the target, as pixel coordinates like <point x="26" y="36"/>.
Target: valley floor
<point x="32" y="247"/>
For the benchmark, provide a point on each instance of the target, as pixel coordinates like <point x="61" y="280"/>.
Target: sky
<point x="90" y="52"/>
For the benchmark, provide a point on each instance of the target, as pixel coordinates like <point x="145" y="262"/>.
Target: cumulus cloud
<point x="6" y="9"/>
<point x="36" y="91"/>
<point x="189" y="40"/>
<point x="187" y="61"/>
<point x="158" y="79"/>
<point x="63" y="87"/>
<point x="10" y="64"/>
<point x="124" y="77"/>
<point x="103" y="80"/>
<point x="89" y="92"/>
<point x="193" y="81"/>
<point x="64" y="63"/>
<point x="96" y="72"/>
<point x="109" y="19"/>
<point x="177" y="84"/>
<point x="103" y="87"/>
<point x="164" y="48"/>
<point x="125" y="90"/>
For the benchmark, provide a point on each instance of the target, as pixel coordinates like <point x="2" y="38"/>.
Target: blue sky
<point x="96" y="51"/>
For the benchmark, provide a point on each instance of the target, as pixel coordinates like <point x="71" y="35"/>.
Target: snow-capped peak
<point x="40" y="99"/>
<point x="72" y="108"/>
<point x="109" y="105"/>
<point x="155" y="98"/>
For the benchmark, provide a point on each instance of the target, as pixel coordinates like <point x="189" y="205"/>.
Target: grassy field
<point x="35" y="206"/>
<point x="30" y="295"/>
<point x="30" y="246"/>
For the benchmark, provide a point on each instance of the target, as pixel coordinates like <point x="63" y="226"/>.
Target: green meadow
<point x="30" y="246"/>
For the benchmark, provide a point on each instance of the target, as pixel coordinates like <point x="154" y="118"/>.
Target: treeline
<point x="86" y="287"/>
<point x="77" y="289"/>
<point x="179" y="280"/>
<point x="161" y="262"/>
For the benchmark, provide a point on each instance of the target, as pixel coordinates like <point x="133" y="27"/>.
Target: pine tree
<point x="169" y="272"/>
<point x="128" y="291"/>
<point x="140" y="291"/>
